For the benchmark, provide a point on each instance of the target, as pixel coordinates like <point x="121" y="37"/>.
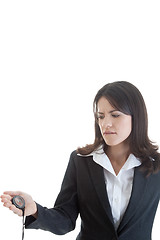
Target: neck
<point x="118" y="153"/>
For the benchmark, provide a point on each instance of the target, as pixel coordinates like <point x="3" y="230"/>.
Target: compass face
<point x="19" y="202"/>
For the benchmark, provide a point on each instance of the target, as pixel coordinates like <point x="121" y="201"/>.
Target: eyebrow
<point x="109" y="111"/>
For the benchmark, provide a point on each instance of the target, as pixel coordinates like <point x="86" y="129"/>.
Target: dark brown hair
<point x="125" y="97"/>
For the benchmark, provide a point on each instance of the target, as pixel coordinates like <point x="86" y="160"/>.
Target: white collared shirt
<point x="119" y="187"/>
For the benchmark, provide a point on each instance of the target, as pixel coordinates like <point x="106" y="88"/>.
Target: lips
<point x="109" y="133"/>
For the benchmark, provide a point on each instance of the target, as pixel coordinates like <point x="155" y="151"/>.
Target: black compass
<point x="19" y="202"/>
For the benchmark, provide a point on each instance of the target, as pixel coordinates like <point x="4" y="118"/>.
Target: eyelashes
<point x="102" y="117"/>
<point x="115" y="115"/>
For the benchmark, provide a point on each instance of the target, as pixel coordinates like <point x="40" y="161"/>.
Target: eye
<point x="100" y="117"/>
<point x="115" y="115"/>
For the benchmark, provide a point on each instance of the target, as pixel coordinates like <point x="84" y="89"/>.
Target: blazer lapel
<point x="97" y="175"/>
<point x="139" y="187"/>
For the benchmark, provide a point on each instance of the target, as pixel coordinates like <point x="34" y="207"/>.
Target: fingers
<point x="5" y="196"/>
<point x="6" y="199"/>
<point x="15" y="210"/>
<point x="30" y="205"/>
<point x="13" y="193"/>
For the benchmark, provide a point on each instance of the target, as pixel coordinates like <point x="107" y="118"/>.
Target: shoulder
<point x="74" y="154"/>
<point x="80" y="159"/>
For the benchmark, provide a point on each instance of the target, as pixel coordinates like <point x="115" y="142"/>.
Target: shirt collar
<point x="100" y="157"/>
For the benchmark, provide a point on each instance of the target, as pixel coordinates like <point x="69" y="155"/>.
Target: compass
<point x="19" y="202"/>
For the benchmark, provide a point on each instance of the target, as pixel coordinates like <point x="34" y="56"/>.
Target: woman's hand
<point x="30" y="205"/>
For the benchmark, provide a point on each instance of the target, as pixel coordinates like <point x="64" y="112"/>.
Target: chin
<point x="112" y="144"/>
<point x="115" y="143"/>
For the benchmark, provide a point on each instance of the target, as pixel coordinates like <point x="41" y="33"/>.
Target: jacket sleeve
<point x="62" y="218"/>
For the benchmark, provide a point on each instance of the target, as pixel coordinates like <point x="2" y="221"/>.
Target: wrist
<point x="35" y="214"/>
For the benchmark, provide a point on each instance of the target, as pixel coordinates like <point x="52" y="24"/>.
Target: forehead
<point x="104" y="105"/>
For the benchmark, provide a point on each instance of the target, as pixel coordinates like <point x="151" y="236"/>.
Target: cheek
<point x="126" y="126"/>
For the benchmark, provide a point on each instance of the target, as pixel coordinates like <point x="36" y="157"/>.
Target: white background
<point x="54" y="57"/>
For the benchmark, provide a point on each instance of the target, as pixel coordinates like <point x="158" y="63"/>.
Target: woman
<point x="114" y="183"/>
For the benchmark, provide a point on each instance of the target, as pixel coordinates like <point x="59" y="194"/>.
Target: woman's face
<point x="115" y="126"/>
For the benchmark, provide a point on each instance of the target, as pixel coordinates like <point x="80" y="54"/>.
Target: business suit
<point x="83" y="191"/>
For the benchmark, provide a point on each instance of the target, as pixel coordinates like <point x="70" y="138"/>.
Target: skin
<point x="115" y="128"/>
<point x="30" y="205"/>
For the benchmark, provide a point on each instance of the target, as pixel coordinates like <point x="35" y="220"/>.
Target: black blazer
<point x="83" y="192"/>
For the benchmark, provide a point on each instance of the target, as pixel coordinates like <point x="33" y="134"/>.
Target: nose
<point x="107" y="122"/>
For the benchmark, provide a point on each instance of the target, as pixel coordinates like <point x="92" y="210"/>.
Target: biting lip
<point x="109" y="132"/>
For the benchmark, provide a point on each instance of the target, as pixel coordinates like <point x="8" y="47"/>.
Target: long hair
<point x="126" y="98"/>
